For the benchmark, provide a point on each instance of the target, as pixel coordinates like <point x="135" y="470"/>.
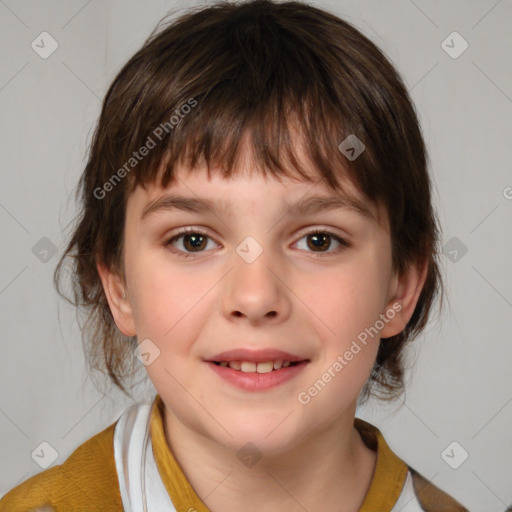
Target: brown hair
<point x="256" y="70"/>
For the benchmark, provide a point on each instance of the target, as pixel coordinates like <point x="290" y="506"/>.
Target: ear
<point x="405" y="291"/>
<point x="120" y="306"/>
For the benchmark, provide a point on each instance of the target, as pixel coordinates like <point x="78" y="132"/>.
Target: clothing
<point x="105" y="474"/>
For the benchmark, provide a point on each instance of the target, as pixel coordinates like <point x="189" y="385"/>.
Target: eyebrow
<point x="303" y="207"/>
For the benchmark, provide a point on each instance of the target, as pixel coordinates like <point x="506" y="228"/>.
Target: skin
<point x="289" y="298"/>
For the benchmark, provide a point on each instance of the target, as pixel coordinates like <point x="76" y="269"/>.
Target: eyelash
<point x="192" y="231"/>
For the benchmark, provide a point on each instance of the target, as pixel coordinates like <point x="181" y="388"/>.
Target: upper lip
<point x="255" y="356"/>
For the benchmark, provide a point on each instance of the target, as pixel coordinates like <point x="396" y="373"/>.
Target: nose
<point x="256" y="292"/>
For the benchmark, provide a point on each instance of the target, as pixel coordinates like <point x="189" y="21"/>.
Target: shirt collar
<point x="385" y="488"/>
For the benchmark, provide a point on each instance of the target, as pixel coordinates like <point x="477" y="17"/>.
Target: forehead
<point x="202" y="190"/>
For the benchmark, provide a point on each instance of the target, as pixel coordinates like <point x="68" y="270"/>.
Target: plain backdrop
<point x="459" y="387"/>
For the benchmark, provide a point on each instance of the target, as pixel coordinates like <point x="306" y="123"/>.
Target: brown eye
<point x="194" y="242"/>
<point x="321" y="242"/>
<point x="189" y="242"/>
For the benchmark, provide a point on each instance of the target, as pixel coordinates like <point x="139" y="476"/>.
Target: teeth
<point x="247" y="367"/>
<point x="265" y="367"/>
<point x="250" y="367"/>
<point x="278" y="364"/>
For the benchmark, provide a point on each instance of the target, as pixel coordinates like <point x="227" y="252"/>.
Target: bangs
<point x="276" y="139"/>
<point x="273" y="137"/>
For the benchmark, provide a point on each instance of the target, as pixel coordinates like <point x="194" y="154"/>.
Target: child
<point x="256" y="226"/>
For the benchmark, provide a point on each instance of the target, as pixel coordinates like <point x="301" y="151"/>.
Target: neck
<point x="330" y="470"/>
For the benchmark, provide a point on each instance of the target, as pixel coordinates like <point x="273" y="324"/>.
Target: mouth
<point x="257" y="370"/>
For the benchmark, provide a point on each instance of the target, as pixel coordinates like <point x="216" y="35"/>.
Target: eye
<point x="320" y="241"/>
<point x="192" y="240"/>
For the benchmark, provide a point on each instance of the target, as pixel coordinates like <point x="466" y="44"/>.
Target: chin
<point x="267" y="433"/>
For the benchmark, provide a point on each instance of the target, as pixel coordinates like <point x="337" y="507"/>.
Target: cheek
<point x="350" y="309"/>
<point x="349" y="300"/>
<point x="348" y="305"/>
<point x="172" y="306"/>
<point x="165" y="296"/>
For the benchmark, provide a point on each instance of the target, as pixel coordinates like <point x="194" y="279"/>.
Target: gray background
<point x="460" y="388"/>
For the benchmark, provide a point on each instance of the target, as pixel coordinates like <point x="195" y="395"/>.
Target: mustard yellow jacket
<point x="87" y="480"/>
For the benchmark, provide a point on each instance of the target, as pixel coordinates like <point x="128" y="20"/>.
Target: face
<point x="258" y="283"/>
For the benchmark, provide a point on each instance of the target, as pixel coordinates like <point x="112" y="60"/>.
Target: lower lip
<point x="253" y="381"/>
